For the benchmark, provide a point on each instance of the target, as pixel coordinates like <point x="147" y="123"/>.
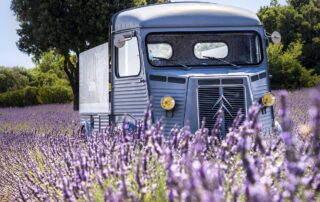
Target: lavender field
<point x="43" y="157"/>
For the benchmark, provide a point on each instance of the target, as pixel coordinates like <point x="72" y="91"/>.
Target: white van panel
<point x="94" y="80"/>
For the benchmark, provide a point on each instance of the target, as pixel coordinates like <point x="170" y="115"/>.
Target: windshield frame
<point x="260" y="41"/>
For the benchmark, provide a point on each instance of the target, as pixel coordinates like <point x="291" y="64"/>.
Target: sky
<point x="11" y="56"/>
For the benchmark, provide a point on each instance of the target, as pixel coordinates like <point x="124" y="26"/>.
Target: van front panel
<point x="176" y="87"/>
<point x="209" y="89"/>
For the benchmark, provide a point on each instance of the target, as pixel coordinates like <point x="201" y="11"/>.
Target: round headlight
<point x="168" y="103"/>
<point x="268" y="99"/>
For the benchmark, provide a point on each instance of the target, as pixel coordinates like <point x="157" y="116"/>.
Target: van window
<point x="129" y="58"/>
<point x="158" y="51"/>
<point x="210" y="49"/>
<point x="214" y="49"/>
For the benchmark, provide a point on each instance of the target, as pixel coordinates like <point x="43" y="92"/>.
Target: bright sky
<point x="9" y="53"/>
<point x="11" y="56"/>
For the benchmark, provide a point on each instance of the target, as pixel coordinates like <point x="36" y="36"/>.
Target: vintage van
<point x="191" y="59"/>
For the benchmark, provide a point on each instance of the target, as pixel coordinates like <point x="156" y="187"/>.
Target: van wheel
<point x="277" y="128"/>
<point x="83" y="131"/>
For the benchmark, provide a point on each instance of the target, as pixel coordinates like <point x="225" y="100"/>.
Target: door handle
<point x="142" y="80"/>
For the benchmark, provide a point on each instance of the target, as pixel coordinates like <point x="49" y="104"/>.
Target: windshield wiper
<point x="159" y="58"/>
<point x="221" y="60"/>
<point x="186" y="67"/>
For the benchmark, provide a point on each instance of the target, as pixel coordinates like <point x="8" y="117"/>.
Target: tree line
<point x="46" y="83"/>
<point x="63" y="29"/>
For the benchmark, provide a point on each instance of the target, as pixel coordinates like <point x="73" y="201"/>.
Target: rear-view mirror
<point x="276" y="37"/>
<point x="119" y="41"/>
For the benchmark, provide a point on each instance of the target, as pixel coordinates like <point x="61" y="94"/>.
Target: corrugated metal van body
<point x="100" y="121"/>
<point x="199" y="91"/>
<point x="130" y="96"/>
<point x="201" y="97"/>
<point x="209" y="94"/>
<point x="259" y="88"/>
<point x="161" y="86"/>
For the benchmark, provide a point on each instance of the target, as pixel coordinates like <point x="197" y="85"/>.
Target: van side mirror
<point x="120" y="39"/>
<point x="276" y="37"/>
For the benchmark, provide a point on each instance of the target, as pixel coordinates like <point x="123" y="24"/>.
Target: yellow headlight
<point x="168" y="103"/>
<point x="268" y="99"/>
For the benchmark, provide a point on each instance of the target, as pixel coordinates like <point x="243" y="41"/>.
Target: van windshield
<point x="204" y="49"/>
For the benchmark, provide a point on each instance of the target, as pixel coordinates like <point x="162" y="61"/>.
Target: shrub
<point x="55" y="94"/>
<point x="286" y="69"/>
<point x="19" y="98"/>
<point x="14" y="78"/>
<point x="34" y="96"/>
<point x="30" y="96"/>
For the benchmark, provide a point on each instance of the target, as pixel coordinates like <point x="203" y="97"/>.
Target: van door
<point x="130" y="95"/>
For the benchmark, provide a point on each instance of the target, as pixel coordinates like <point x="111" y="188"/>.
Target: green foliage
<point x="14" y="78"/>
<point x="160" y="193"/>
<point x="297" y="21"/>
<point x="19" y="98"/>
<point x="46" y="83"/>
<point x="49" y="70"/>
<point x="286" y="69"/>
<point x="55" y="94"/>
<point x="154" y="190"/>
<point x="47" y="79"/>
<point x="36" y="95"/>
<point x="50" y="62"/>
<point x="298" y="3"/>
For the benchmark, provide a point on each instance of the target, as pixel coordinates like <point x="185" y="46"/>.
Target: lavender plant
<point x="146" y="165"/>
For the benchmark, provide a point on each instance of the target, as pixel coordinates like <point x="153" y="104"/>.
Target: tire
<point x="277" y="128"/>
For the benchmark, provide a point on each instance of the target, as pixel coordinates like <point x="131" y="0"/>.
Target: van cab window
<point x="129" y="58"/>
<point x="206" y="49"/>
<point x="212" y="49"/>
<point x="158" y="51"/>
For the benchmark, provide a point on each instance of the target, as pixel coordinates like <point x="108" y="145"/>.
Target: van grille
<point x="228" y="98"/>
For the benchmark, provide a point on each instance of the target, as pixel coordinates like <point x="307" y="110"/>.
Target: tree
<point x="50" y="62"/>
<point x="14" y="78"/>
<point x="286" y="69"/>
<point x="44" y="84"/>
<point x="297" y="21"/>
<point x="298" y="3"/>
<point x="67" y="27"/>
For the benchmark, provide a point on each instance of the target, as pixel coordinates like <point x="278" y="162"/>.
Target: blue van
<point x="193" y="61"/>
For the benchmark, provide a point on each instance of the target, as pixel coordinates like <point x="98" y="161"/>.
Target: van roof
<point x="184" y="14"/>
